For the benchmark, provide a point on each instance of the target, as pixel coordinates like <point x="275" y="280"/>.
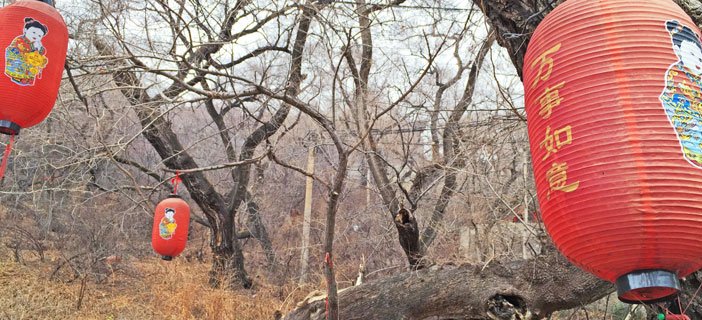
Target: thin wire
<point x="409" y="7"/>
<point x="693" y="297"/>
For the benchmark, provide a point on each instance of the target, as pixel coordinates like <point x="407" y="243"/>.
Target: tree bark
<point x="502" y="290"/>
<point x="515" y="21"/>
<point x="258" y="230"/>
<point x="254" y="222"/>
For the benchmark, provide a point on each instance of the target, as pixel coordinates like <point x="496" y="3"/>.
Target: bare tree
<point x="198" y="69"/>
<point x="414" y="94"/>
<point x="474" y="292"/>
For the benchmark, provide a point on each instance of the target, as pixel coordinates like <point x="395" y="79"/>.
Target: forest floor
<point x="151" y="288"/>
<point x="146" y="289"/>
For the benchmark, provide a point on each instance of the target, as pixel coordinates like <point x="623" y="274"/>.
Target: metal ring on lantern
<point x="9" y="127"/>
<point x="640" y="282"/>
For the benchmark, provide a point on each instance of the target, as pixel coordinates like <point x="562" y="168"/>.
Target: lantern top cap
<point x="173" y="195"/>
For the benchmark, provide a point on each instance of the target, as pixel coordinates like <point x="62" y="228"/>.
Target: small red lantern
<point x="170" y="230"/>
<point x="34" y="41"/>
<point x="612" y="92"/>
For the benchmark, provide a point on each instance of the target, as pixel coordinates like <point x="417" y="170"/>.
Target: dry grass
<point x="151" y="289"/>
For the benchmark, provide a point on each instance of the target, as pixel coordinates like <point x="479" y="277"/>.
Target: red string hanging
<point x="174" y="181"/>
<point x="669" y="315"/>
<point x="328" y="260"/>
<point x="6" y="155"/>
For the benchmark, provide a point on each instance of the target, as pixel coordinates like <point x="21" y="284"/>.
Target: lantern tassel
<point x="6" y="156"/>
<point x="175" y="180"/>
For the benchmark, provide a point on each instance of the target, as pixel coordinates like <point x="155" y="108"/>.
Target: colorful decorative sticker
<point x="25" y="57"/>
<point x="681" y="96"/>
<point x="168" y="225"/>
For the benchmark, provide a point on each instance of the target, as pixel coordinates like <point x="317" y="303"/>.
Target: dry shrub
<point x="154" y="289"/>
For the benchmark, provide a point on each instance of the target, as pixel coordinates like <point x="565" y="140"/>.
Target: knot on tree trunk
<point x="408" y="232"/>
<point x="508" y="307"/>
<point x="312" y="307"/>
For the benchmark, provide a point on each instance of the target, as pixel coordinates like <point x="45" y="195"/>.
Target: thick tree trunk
<point x="228" y="266"/>
<point x="259" y="232"/>
<point x="515" y="21"/>
<point x="408" y="232"/>
<point x="254" y="223"/>
<point x="511" y="290"/>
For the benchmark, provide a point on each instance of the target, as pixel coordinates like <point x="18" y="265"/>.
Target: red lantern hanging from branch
<point x="169" y="234"/>
<point x="613" y="96"/>
<point x="34" y="40"/>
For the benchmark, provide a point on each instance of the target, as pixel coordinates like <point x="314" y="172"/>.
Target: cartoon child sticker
<point x="681" y="97"/>
<point x="25" y="57"/>
<point x="168" y="225"/>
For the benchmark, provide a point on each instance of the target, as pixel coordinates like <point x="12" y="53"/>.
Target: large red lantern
<point x="33" y="40"/>
<point x="170" y="230"/>
<point x="612" y="92"/>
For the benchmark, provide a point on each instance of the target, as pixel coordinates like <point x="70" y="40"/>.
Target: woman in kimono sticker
<point x="168" y="225"/>
<point x="681" y="97"/>
<point x="25" y="57"/>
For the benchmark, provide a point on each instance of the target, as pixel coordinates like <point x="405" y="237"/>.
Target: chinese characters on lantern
<point x="555" y="139"/>
<point x="545" y="61"/>
<point x="549" y="100"/>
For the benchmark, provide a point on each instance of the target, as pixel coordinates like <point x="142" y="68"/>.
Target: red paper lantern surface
<point x="33" y="40"/>
<point x="170" y="230"/>
<point x="612" y="92"/>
